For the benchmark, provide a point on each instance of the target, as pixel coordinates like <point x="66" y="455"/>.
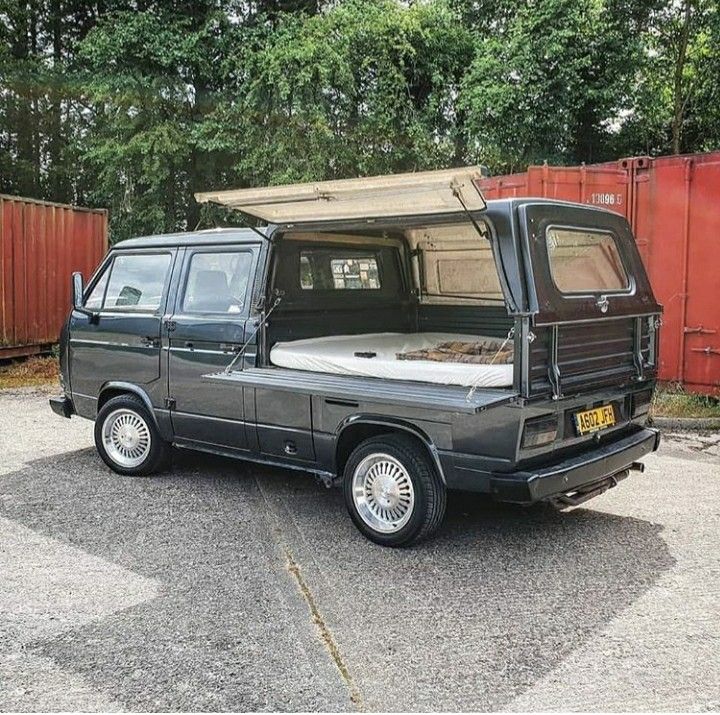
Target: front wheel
<point x="127" y="438"/>
<point x="393" y="491"/>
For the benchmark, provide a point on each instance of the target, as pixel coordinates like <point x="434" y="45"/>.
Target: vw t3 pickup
<point x="395" y="335"/>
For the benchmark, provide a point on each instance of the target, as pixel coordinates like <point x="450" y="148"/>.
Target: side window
<point x="95" y="300"/>
<point x="137" y="282"/>
<point x="218" y="282"/>
<point x="323" y="269"/>
<point x="457" y="263"/>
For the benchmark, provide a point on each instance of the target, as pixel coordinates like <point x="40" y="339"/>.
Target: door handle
<point x="149" y="341"/>
<point x="190" y="344"/>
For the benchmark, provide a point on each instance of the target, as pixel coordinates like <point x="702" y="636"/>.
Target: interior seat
<point x="210" y="292"/>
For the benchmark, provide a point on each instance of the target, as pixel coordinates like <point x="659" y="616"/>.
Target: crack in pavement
<point x="324" y="631"/>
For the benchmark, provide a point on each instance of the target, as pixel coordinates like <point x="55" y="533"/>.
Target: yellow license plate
<point x="595" y="419"/>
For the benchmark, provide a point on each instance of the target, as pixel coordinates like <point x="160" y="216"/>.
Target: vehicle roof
<point x="209" y="237"/>
<point x="220" y="236"/>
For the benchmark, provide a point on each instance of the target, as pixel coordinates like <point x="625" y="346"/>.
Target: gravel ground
<point x="224" y="586"/>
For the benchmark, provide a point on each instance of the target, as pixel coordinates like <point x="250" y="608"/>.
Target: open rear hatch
<point x="595" y="316"/>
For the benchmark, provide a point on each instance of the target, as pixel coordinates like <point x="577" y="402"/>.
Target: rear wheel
<point x="392" y="490"/>
<point x="127" y="438"/>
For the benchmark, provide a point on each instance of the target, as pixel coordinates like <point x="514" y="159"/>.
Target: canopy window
<point x="583" y="261"/>
<point x="455" y="264"/>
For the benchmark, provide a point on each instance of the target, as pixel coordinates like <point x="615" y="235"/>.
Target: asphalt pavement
<point x="228" y="586"/>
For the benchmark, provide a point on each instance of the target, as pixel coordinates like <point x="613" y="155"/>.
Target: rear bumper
<point x="579" y="472"/>
<point x="62" y="406"/>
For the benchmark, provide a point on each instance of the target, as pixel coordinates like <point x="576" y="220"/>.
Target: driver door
<point x="205" y="332"/>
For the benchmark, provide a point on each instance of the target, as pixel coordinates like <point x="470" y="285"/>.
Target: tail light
<point x="641" y="402"/>
<point x="539" y="431"/>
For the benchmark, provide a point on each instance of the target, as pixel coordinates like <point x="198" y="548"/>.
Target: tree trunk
<point x="57" y="189"/>
<point x="679" y="100"/>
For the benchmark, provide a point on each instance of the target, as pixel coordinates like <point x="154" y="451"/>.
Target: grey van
<point x="398" y="336"/>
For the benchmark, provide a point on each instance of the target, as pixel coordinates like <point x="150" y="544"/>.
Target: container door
<point x="209" y="327"/>
<point x="701" y="324"/>
<point x="121" y="342"/>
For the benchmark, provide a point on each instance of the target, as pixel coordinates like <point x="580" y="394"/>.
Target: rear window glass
<point x="585" y="261"/>
<point x="326" y="270"/>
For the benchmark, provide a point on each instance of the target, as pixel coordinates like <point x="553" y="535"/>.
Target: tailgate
<point x="595" y="317"/>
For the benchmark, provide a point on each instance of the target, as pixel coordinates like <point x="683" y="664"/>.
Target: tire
<point x="136" y="448"/>
<point x="407" y="503"/>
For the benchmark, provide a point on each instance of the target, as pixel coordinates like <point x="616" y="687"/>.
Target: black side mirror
<point x="78" y="288"/>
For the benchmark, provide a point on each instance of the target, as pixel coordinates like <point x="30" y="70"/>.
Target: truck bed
<point x="349" y="388"/>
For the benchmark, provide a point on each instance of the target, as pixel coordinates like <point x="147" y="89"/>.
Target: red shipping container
<point x="673" y="206"/>
<point x="41" y="245"/>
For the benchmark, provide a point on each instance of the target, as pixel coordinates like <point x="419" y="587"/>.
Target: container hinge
<point x="699" y="330"/>
<point x="169" y="403"/>
<point x="707" y="350"/>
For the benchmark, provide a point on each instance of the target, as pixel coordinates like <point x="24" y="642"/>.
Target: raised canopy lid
<point x="423" y="192"/>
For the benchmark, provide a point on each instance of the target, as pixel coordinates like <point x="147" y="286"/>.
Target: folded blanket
<point x="481" y="352"/>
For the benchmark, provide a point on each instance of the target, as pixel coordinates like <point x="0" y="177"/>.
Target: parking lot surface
<point x="227" y="586"/>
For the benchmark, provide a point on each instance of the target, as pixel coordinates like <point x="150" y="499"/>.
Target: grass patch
<point x="672" y="401"/>
<point x="30" y="372"/>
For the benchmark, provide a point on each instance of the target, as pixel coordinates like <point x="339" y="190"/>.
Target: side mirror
<point x="78" y="288"/>
<point x="77" y="291"/>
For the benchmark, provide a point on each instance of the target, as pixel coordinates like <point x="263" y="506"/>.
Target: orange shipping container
<point x="673" y="206"/>
<point x="41" y="244"/>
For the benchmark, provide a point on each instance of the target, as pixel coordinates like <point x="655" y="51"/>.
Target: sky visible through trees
<point x="134" y="106"/>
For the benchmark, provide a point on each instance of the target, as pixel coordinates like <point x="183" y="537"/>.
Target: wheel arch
<point x="116" y="388"/>
<point x="355" y="429"/>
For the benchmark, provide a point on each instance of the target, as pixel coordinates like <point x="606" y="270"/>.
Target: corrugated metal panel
<point x="677" y="216"/>
<point x="605" y="185"/>
<point x="673" y="206"/>
<point x="41" y="244"/>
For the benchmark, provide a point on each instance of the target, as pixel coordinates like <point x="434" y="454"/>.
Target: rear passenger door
<point x="207" y="330"/>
